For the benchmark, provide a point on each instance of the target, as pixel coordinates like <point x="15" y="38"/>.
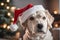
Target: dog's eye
<point x="44" y="18"/>
<point x="31" y="18"/>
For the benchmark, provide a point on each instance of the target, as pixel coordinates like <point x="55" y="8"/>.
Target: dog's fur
<point x="32" y="31"/>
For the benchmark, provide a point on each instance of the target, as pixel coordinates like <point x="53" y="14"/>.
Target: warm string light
<point x="2" y="4"/>
<point x="8" y="1"/>
<point x="4" y="25"/>
<point x="56" y="25"/>
<point x="8" y="27"/>
<point x="7" y="7"/>
<point x="55" y="12"/>
<point x="12" y="19"/>
<point x="9" y="14"/>
<point x="13" y="8"/>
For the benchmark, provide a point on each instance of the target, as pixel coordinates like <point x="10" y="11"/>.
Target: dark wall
<point x="53" y="5"/>
<point x="22" y="3"/>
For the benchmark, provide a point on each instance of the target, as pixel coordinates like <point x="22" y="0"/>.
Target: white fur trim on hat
<point x="13" y="27"/>
<point x="31" y="11"/>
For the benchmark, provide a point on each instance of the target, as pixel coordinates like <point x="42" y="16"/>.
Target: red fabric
<point x="19" y="12"/>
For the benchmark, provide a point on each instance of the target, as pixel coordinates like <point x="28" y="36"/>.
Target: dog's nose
<point x="39" y="26"/>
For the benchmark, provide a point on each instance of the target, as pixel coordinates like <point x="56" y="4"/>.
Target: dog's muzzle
<point x="39" y="27"/>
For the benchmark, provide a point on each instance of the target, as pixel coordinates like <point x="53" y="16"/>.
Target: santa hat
<point x="24" y="13"/>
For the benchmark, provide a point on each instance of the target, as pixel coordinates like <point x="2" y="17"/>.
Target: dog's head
<point x="39" y="22"/>
<point x="36" y="19"/>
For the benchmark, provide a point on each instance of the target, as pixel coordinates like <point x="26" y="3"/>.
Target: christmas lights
<point x="13" y="8"/>
<point x="7" y="7"/>
<point x="12" y="19"/>
<point x="9" y="14"/>
<point x="8" y="1"/>
<point x="8" y="27"/>
<point x="55" y="12"/>
<point x="56" y="25"/>
<point x="4" y="25"/>
<point x="2" y="4"/>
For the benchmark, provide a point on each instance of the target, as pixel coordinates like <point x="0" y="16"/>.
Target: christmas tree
<point x="6" y="17"/>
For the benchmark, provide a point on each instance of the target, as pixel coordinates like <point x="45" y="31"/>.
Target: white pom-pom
<point x="13" y="27"/>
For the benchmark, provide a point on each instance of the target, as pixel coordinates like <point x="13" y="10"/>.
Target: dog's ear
<point x="23" y="25"/>
<point x="50" y="18"/>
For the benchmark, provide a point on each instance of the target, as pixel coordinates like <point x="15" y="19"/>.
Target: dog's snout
<point x="39" y="26"/>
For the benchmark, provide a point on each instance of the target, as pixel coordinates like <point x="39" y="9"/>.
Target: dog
<point x="35" y="22"/>
<point x="37" y="26"/>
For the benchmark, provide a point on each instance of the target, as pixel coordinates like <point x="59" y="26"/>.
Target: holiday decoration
<point x="6" y="17"/>
<point x="18" y="13"/>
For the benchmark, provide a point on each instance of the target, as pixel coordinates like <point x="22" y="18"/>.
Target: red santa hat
<point x="24" y="13"/>
<point x="18" y="13"/>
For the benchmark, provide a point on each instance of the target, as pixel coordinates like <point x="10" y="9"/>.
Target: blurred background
<point x="7" y="8"/>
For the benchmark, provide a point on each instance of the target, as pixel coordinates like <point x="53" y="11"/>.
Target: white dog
<point x="36" y="22"/>
<point x="37" y="26"/>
